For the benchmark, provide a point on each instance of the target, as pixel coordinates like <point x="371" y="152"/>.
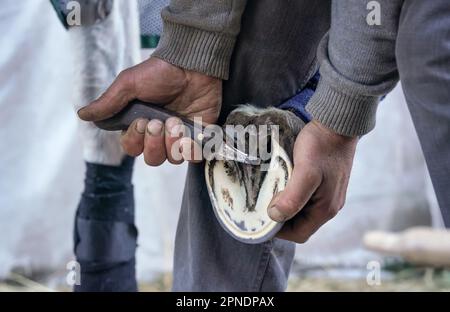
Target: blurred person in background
<point x="105" y="43"/>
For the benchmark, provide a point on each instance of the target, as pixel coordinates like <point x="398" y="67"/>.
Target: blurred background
<point x="42" y="171"/>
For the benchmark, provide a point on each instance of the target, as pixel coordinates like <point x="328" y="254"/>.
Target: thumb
<point x="299" y="190"/>
<point x="115" y="98"/>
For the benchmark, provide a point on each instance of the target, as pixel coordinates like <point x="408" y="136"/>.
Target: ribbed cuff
<point x="194" y="49"/>
<point x="346" y="114"/>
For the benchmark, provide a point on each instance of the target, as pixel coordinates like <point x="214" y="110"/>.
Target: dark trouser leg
<point x="105" y="235"/>
<point x="423" y="57"/>
<point x="208" y="259"/>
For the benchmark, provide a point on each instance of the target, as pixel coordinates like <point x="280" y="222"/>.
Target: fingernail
<point x="155" y="127"/>
<point x="81" y="114"/>
<point x="174" y="126"/>
<point x="276" y="215"/>
<point x="141" y="125"/>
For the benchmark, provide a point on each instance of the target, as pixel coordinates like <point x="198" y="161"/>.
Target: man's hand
<point x="317" y="189"/>
<point x="185" y="92"/>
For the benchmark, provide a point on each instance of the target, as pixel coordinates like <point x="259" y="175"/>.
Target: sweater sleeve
<point x="200" y="35"/>
<point x="357" y="65"/>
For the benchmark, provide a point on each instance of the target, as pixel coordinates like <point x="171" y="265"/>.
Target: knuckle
<point x="129" y="148"/>
<point x="301" y="239"/>
<point x="312" y="174"/>
<point x="287" y="205"/>
<point x="336" y="206"/>
<point x="126" y="77"/>
<point x="133" y="152"/>
<point x="331" y="210"/>
<point x="150" y="151"/>
<point x="124" y="73"/>
<point x="332" y="213"/>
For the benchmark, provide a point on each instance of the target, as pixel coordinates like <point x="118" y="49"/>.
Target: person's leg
<point x="206" y="257"/>
<point x="423" y="57"/>
<point x="105" y="235"/>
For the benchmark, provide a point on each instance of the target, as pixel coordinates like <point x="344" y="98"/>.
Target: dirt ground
<point x="410" y="279"/>
<point x="403" y="279"/>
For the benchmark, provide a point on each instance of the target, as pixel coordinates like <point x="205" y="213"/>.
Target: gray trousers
<point x="423" y="58"/>
<point x="207" y="258"/>
<point x="268" y="67"/>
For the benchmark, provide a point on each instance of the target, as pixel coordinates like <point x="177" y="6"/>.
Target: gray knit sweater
<point x="357" y="58"/>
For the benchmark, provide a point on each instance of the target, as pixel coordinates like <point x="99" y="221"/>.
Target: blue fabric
<point x="117" y="277"/>
<point x="297" y="104"/>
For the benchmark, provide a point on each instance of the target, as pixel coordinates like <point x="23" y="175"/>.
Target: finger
<point x="303" y="183"/>
<point x="132" y="140"/>
<point x="190" y="150"/>
<point x="115" y="98"/>
<point x="174" y="131"/>
<point x="305" y="224"/>
<point x="154" y="148"/>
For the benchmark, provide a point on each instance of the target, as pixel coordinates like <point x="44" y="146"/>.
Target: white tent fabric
<point x="38" y="137"/>
<point x="41" y="167"/>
